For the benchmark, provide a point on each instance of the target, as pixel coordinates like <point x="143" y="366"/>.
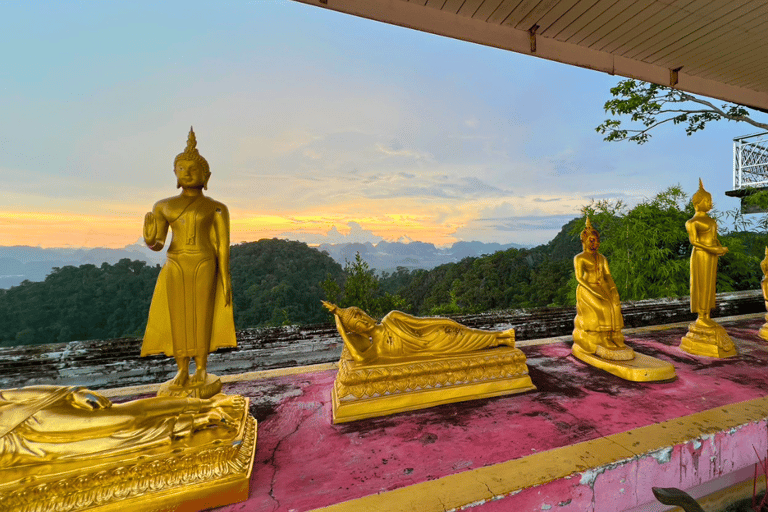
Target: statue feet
<point x="192" y="388"/>
<point x="181" y="378"/>
<point x="707" y="338"/>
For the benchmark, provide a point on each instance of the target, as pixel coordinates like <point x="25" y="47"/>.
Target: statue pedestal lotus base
<point x="207" y="389"/>
<point x="212" y="468"/>
<point x="710" y="340"/>
<point x="369" y="390"/>
<point x="641" y="368"/>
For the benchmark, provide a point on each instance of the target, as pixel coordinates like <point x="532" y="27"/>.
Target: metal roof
<point x="716" y="48"/>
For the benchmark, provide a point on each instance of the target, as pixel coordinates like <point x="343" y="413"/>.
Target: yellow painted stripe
<point x="506" y="478"/>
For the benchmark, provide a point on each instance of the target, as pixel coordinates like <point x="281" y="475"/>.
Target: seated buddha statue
<point x="598" y="322"/>
<point x="401" y="336"/>
<point x="48" y="424"/>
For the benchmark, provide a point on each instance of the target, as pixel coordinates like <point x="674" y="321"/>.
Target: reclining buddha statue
<point x="404" y="363"/>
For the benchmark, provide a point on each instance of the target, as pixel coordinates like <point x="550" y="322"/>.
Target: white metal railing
<point x="750" y="161"/>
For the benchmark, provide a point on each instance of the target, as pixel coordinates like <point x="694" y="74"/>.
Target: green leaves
<point x="651" y="105"/>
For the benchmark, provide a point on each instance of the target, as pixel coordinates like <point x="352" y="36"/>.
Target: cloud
<point x="355" y="234"/>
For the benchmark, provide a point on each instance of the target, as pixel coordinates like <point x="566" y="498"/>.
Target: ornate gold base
<point x="710" y="340"/>
<point x="207" y="389"/>
<point x="210" y="469"/>
<point x="367" y="391"/>
<point x="640" y="369"/>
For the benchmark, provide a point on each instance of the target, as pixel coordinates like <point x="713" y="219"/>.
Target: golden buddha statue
<point x="404" y="363"/>
<point x="598" y="322"/>
<point x="68" y="448"/>
<point x="400" y="336"/>
<point x="705" y="337"/>
<point x="597" y="337"/>
<point x="764" y="285"/>
<point x="191" y="311"/>
<point x="44" y="424"/>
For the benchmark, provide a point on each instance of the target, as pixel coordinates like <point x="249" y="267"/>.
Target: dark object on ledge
<point x="673" y="496"/>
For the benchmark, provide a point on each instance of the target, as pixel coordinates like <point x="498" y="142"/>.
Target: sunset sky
<point x="318" y="126"/>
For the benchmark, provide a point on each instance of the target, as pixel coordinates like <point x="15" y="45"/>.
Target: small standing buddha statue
<point x="705" y="337"/>
<point x="764" y="286"/>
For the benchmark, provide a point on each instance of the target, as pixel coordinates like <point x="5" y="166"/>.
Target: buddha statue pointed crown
<point x="588" y="228"/>
<point x="193" y="155"/>
<point x="701" y="195"/>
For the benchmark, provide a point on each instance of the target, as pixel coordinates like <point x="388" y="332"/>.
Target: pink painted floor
<point x="304" y="462"/>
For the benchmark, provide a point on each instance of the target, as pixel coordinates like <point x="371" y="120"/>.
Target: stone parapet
<point x="116" y="363"/>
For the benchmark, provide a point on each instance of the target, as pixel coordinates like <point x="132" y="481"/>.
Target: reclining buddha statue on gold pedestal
<point x="404" y="363"/>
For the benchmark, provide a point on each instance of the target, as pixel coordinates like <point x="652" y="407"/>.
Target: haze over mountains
<point x="19" y="263"/>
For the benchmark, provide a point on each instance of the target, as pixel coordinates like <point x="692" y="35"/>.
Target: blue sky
<point x="309" y="119"/>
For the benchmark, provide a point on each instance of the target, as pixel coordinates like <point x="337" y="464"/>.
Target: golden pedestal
<point x="366" y="391"/>
<point x="710" y="340"/>
<point x="212" y="468"/>
<point x="641" y="368"/>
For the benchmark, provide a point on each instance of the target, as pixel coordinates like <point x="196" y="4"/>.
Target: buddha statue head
<point x="352" y="318"/>
<point x="191" y="158"/>
<point x="590" y="238"/>
<point x="702" y="200"/>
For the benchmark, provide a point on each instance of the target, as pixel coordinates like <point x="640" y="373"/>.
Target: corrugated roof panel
<point x="653" y="16"/>
<point x="486" y="9"/>
<point x="609" y="22"/>
<point x="453" y="6"/>
<point x="683" y="24"/>
<point x="503" y="11"/>
<point x="569" y="17"/>
<point x="588" y="22"/>
<point x="702" y="36"/>
<point x="551" y="16"/>
<point x="535" y="15"/>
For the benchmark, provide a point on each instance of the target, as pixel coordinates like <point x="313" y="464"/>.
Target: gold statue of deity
<point x="764" y="285"/>
<point x="67" y="448"/>
<point x="598" y="322"/>
<point x="705" y="337"/>
<point x="64" y="449"/>
<point x="597" y="336"/>
<point x="405" y="363"/>
<point x="191" y="311"/>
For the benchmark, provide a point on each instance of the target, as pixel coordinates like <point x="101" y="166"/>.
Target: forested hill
<point x="515" y="278"/>
<point x="273" y="282"/>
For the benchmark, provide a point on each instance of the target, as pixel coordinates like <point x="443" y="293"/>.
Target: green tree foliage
<point x="277" y="282"/>
<point x="359" y="286"/>
<point x="649" y="252"/>
<point x="515" y="278"/>
<point x="649" y="106"/>
<point x="274" y="282"/>
<point x="83" y="302"/>
<point x="647" y="246"/>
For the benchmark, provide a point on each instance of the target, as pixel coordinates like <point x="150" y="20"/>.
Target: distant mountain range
<point x="387" y="256"/>
<point x="20" y="262"/>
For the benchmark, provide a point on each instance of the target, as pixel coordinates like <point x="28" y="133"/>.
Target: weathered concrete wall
<point x="116" y="363"/>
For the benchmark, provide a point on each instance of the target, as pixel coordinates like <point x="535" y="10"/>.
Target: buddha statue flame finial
<point x="192" y="154"/>
<point x="588" y="228"/>
<point x="700" y="195"/>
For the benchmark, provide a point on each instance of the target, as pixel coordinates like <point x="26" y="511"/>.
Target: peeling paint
<point x="589" y="476"/>
<point x="662" y="456"/>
